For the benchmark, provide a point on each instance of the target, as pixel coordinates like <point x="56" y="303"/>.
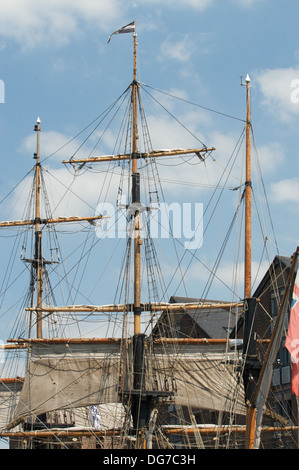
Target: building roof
<point x="282" y="261"/>
<point x="213" y="323"/>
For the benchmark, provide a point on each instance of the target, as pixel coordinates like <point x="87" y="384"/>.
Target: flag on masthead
<point x="129" y="28"/>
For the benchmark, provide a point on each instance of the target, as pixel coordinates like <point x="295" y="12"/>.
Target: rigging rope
<point x="194" y="104"/>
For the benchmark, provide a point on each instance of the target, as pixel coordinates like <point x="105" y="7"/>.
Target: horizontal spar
<point x="58" y="433"/>
<point x="227" y="429"/>
<point x="129" y="156"/>
<point x="67" y="340"/>
<point x="13" y="346"/>
<point x="176" y="341"/>
<point x="117" y="432"/>
<point x="11" y="380"/>
<point x="23" y="343"/>
<point x="150" y="307"/>
<point x="57" y="220"/>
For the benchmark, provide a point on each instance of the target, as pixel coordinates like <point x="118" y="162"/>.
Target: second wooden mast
<point x="38" y="222"/>
<point x="38" y="257"/>
<point x="140" y="399"/>
<point x="136" y="197"/>
<point x="248" y="197"/>
<point x="252" y="365"/>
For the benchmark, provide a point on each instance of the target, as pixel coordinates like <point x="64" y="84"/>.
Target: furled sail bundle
<point x="68" y="376"/>
<point x="63" y="376"/>
<point x="9" y="397"/>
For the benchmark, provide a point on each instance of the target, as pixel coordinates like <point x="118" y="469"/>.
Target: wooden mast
<point x="251" y="410"/>
<point x="38" y="262"/>
<point x="38" y="237"/>
<point x="248" y="197"/>
<point x="136" y="196"/>
<point x="141" y="399"/>
<point x="139" y="403"/>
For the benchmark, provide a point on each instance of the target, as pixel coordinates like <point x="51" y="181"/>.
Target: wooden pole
<point x="200" y="152"/>
<point x="146" y="307"/>
<point x="38" y="236"/>
<point x="251" y="411"/>
<point x="117" y="432"/>
<point x="228" y="429"/>
<point x="136" y="197"/>
<point x="57" y="220"/>
<point x="248" y="197"/>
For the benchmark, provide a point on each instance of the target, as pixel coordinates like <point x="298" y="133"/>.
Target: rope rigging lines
<point x="97" y="131"/>
<point x="114" y="263"/>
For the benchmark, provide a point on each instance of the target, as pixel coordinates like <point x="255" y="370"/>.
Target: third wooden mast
<point x="136" y="196"/>
<point x="38" y="257"/>
<point x="140" y="401"/>
<point x="248" y="197"/>
<point x="251" y="363"/>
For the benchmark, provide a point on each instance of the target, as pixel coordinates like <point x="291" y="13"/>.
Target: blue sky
<point x="56" y="64"/>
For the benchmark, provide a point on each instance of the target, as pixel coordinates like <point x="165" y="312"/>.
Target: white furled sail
<point x="9" y="396"/>
<point x="65" y="376"/>
<point x="68" y="376"/>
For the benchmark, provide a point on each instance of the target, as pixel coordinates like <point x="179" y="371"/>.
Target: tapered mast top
<point x="134" y="104"/>
<point x="135" y="57"/>
<point x="38" y="257"/>
<point x="136" y="197"/>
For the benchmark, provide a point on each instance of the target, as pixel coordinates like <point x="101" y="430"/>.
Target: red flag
<point x="292" y="339"/>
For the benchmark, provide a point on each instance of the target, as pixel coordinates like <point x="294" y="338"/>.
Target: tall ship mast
<point x="125" y="391"/>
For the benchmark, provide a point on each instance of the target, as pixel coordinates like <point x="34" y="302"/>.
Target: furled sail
<point x="9" y="396"/>
<point x="203" y="377"/>
<point x="64" y="376"/>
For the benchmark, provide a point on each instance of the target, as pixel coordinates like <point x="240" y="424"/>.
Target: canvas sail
<point x="202" y="377"/>
<point x="65" y="376"/>
<point x="71" y="376"/>
<point x="9" y="395"/>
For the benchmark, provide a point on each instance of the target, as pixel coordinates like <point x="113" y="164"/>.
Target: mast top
<point x="37" y="125"/>
<point x="247" y="79"/>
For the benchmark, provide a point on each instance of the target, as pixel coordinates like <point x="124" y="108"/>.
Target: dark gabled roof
<point x="283" y="262"/>
<point x="213" y="323"/>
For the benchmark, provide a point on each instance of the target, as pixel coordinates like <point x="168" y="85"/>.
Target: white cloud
<point x="68" y="194"/>
<point x="85" y="187"/>
<point x="233" y="275"/>
<point x="60" y="147"/>
<point x="286" y="190"/>
<point x="280" y="89"/>
<point x="31" y="22"/>
<point x="229" y="278"/>
<point x="196" y="4"/>
<point x="271" y="156"/>
<point x="85" y="190"/>
<point x="51" y="142"/>
<point x="180" y="49"/>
